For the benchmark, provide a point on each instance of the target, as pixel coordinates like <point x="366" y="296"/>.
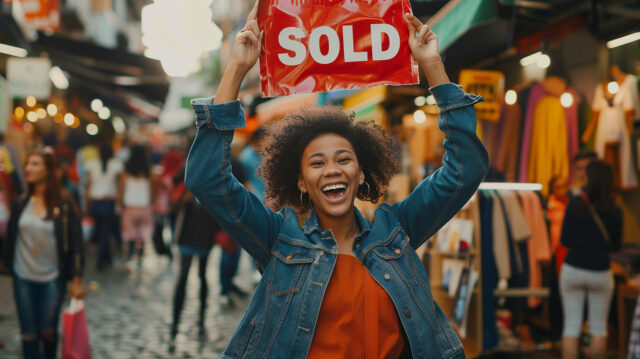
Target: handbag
<point x="75" y="334"/>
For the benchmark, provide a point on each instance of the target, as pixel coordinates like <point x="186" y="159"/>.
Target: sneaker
<point x="226" y="301"/>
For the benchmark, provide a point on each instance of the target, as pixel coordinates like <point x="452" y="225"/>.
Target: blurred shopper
<point x="592" y="228"/>
<point x="230" y="257"/>
<point x="251" y="161"/>
<point x="164" y="184"/>
<point x="44" y="250"/>
<point x="556" y="207"/>
<point x="102" y="188"/>
<point x="580" y="162"/>
<point x="134" y="197"/>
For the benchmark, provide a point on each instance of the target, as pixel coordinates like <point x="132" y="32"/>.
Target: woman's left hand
<point x="422" y="40"/>
<point x="76" y="289"/>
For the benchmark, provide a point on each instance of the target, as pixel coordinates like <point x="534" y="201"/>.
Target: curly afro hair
<point x="286" y="140"/>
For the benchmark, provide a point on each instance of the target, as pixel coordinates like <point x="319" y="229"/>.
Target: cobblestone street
<point x="129" y="310"/>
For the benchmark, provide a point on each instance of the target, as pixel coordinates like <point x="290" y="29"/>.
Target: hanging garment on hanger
<point x="506" y="158"/>
<point x="536" y="93"/>
<point x="555" y="212"/>
<point x="489" y="273"/>
<point x="612" y="128"/>
<point x="518" y="225"/>
<point x="549" y="155"/>
<point x="571" y="114"/>
<point x="500" y="239"/>
<point x="630" y="85"/>
<point x="538" y="244"/>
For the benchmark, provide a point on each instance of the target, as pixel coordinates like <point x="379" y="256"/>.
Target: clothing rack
<point x="472" y="336"/>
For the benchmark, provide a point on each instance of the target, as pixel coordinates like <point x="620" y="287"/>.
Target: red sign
<point x="325" y="45"/>
<point x="41" y="14"/>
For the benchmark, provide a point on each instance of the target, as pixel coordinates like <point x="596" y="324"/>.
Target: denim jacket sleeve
<point x="208" y="175"/>
<point x="440" y="196"/>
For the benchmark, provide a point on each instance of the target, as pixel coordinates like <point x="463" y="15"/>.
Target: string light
<point x="69" y="119"/>
<point x="419" y="116"/>
<point x="31" y="101"/>
<point x="511" y="97"/>
<point x="52" y="109"/>
<point x="566" y="100"/>
<point x="42" y="113"/>
<point x="32" y="116"/>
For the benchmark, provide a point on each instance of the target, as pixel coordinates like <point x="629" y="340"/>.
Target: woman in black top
<point x="592" y="228"/>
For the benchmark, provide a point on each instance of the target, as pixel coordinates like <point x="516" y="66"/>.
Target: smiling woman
<point x="338" y="286"/>
<point x="367" y="147"/>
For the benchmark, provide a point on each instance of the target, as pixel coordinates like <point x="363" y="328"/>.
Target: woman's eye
<point x="316" y="163"/>
<point x="344" y="160"/>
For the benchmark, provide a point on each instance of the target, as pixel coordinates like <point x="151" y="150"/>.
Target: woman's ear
<point x="301" y="186"/>
<point x="361" y="181"/>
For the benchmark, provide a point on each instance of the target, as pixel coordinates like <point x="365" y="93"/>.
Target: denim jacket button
<point x="289" y="257"/>
<point x="387" y="276"/>
<point x="397" y="251"/>
<point x="407" y="313"/>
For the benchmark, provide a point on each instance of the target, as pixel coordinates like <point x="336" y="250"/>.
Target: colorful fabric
<point x="549" y="156"/>
<point x="506" y="159"/>
<point x="612" y="127"/>
<point x="536" y="93"/>
<point x="538" y="244"/>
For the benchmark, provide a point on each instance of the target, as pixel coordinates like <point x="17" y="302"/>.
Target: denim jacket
<point x="297" y="262"/>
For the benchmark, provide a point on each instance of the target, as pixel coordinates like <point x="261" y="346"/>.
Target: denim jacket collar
<point x="311" y="224"/>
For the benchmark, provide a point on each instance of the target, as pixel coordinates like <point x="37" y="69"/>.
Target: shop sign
<point x="41" y="14"/>
<point x="326" y="45"/>
<point x="489" y="85"/>
<point x="29" y="77"/>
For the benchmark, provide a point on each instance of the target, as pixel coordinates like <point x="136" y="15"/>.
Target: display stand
<point x="472" y="335"/>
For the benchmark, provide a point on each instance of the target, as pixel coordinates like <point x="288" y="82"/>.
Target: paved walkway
<point x="129" y="311"/>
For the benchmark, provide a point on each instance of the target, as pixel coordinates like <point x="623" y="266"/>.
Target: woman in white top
<point x="134" y="198"/>
<point x="101" y="192"/>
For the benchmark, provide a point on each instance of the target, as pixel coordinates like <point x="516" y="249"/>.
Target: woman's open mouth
<point x="335" y="191"/>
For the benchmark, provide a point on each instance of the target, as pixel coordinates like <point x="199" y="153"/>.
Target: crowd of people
<point x="109" y="203"/>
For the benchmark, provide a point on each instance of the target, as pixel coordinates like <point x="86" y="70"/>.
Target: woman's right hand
<point x="246" y="48"/>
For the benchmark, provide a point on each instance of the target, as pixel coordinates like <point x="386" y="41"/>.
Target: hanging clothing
<point x="518" y="225"/>
<point x="612" y="127"/>
<point x="630" y="85"/>
<point x="538" y="245"/>
<point x="536" y="93"/>
<point x="357" y="318"/>
<point x="555" y="212"/>
<point x="571" y="114"/>
<point x="549" y="155"/>
<point x="500" y="239"/>
<point x="506" y="159"/>
<point x="489" y="273"/>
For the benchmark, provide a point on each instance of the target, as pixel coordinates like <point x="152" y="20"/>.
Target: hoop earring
<point x="368" y="189"/>
<point x="301" y="202"/>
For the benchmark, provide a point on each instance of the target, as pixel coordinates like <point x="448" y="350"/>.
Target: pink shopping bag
<point x="75" y="335"/>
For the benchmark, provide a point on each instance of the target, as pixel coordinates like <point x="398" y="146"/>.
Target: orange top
<point x="357" y="318"/>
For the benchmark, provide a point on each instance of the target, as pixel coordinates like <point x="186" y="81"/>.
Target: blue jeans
<point x="38" y="306"/>
<point x="228" y="270"/>
<point x="104" y="214"/>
